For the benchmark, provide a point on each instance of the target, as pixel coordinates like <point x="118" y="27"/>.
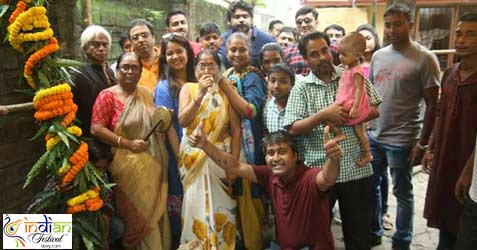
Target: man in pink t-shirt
<point x="298" y="193"/>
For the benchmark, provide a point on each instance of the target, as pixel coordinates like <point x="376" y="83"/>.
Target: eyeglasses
<point x="144" y="35"/>
<point x="97" y="44"/>
<point x="304" y="20"/>
<point x="202" y="66"/>
<point x="125" y="68"/>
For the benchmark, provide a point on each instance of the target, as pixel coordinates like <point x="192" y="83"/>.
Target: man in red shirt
<point x="298" y="193"/>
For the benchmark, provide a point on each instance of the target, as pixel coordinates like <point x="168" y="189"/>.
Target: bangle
<point x="420" y="146"/>
<point x="119" y="141"/>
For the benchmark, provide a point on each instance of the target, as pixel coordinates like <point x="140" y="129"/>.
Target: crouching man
<point x="298" y="193"/>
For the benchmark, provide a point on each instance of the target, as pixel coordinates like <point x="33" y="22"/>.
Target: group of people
<point x="266" y="129"/>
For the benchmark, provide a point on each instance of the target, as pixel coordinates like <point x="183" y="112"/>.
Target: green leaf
<point x="43" y="200"/>
<point x="86" y="225"/>
<point x="64" y="138"/>
<point x="43" y="78"/>
<point x="52" y="157"/>
<point x="35" y="170"/>
<point x="86" y="173"/>
<point x="88" y="243"/>
<point x="28" y="92"/>
<point x="59" y="62"/>
<point x="3" y="9"/>
<point x="41" y="131"/>
<point x="84" y="233"/>
<point x="72" y="137"/>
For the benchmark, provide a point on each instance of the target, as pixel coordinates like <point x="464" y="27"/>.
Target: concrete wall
<point x="342" y="16"/>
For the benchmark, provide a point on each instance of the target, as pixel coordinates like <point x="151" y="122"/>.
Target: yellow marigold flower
<point x="64" y="169"/>
<point x="52" y="142"/>
<point x="82" y="197"/>
<point x="75" y="130"/>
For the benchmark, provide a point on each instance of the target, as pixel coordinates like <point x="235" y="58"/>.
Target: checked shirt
<point x="310" y="95"/>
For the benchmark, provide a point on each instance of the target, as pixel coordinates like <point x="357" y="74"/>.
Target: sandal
<point x="387" y="224"/>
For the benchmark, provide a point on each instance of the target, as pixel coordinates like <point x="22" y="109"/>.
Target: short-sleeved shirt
<point x="310" y="95"/>
<point x="301" y="209"/>
<point x="401" y="77"/>
<point x="273" y="117"/>
<point x="296" y="61"/>
<point x="259" y="38"/>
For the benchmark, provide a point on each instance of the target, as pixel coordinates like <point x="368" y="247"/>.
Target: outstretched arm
<point x="223" y="159"/>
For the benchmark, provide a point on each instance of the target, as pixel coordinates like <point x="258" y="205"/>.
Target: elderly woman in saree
<point x="122" y="118"/>
<point x="246" y="90"/>
<point x="208" y="207"/>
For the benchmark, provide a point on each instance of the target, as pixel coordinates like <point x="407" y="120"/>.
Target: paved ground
<point x="424" y="238"/>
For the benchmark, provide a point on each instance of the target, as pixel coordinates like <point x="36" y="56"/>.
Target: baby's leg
<point x="363" y="139"/>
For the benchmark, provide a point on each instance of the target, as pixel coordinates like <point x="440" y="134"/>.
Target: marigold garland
<point x="21" y="6"/>
<point x="26" y="21"/>
<point x="37" y="56"/>
<point x="78" y="160"/>
<point x="53" y="102"/>
<point x="88" y="200"/>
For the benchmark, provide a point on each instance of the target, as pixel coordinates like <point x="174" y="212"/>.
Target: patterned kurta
<point x="453" y="143"/>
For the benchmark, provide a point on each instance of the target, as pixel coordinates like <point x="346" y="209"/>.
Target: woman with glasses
<point x="176" y="65"/>
<point x="246" y="90"/>
<point x="208" y="202"/>
<point x="122" y="118"/>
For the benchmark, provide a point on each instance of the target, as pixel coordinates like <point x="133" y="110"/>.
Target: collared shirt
<point x="150" y="72"/>
<point x="272" y="116"/>
<point x="259" y="38"/>
<point x="310" y="95"/>
<point x="301" y="209"/>
<point x="296" y="61"/>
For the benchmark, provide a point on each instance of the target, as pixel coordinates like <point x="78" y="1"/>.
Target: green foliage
<point x="35" y="170"/>
<point x="153" y="16"/>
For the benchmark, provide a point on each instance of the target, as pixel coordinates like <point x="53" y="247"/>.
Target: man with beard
<point x="176" y="22"/>
<point x="310" y="105"/>
<point x="306" y="19"/>
<point x="240" y="19"/>
<point x="405" y="74"/>
<point x="454" y="135"/>
<point x="142" y="38"/>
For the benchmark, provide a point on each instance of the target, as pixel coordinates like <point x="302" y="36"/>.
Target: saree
<point x="208" y="211"/>
<point x="251" y="209"/>
<point x="141" y="178"/>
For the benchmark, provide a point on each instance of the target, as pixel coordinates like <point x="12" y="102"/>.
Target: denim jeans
<point x="397" y="158"/>
<point x="467" y="236"/>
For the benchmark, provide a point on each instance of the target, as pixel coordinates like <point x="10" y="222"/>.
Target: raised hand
<point x="197" y="138"/>
<point x="332" y="148"/>
<point x="205" y="82"/>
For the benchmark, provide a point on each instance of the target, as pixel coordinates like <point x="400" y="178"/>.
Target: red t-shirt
<point x="300" y="208"/>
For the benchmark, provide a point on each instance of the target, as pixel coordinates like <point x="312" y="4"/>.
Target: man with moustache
<point x="310" y="105"/>
<point x="240" y="19"/>
<point x="176" y="22"/>
<point x="141" y="35"/>
<point x="454" y="134"/>
<point x="405" y="74"/>
<point x="306" y="19"/>
<point x="210" y="38"/>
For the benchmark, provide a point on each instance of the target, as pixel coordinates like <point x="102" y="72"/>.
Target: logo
<point x="37" y="231"/>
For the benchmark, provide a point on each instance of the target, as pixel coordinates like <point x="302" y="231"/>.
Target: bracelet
<point x="420" y="146"/>
<point x="119" y="141"/>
